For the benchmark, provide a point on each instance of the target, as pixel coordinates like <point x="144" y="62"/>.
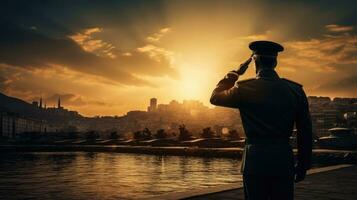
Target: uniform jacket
<point x="269" y="107"/>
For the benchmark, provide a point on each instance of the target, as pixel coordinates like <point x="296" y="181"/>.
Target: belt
<point x="267" y="140"/>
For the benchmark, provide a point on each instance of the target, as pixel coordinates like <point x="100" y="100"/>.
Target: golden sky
<point x="109" y="58"/>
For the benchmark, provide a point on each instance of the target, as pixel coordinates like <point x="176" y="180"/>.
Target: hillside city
<point x="326" y="113"/>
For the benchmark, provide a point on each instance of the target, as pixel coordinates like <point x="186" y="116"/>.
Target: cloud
<point x="48" y="83"/>
<point x="325" y="65"/>
<point x="3" y="81"/>
<point x="156" y="37"/>
<point x="263" y="36"/>
<point x="338" y="28"/>
<point x="89" y="44"/>
<point x="344" y="85"/>
<point x="149" y="61"/>
<point x="324" y="54"/>
<point x="33" y="64"/>
<point x="40" y="51"/>
<point x="155" y="52"/>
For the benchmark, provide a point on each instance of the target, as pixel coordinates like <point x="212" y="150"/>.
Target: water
<point x="108" y="175"/>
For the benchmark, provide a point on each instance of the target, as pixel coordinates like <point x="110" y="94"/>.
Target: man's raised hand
<point x="244" y="66"/>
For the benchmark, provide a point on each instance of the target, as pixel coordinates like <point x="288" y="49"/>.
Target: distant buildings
<point x="194" y="114"/>
<point x="55" y="114"/>
<point x="327" y="113"/>
<point x="39" y="119"/>
<point x="40" y="105"/>
<point x="12" y="125"/>
<point x="35" y="104"/>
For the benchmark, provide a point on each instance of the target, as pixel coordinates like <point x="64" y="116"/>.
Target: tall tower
<point x="59" y="103"/>
<point x="40" y="102"/>
<point x="153" y="105"/>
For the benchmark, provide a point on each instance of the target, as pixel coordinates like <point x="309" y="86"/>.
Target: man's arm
<point x="223" y="94"/>
<point x="304" y="138"/>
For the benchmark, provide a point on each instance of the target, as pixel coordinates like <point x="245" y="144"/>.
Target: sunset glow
<point x="107" y="60"/>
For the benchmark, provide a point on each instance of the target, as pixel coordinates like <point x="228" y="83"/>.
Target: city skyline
<point x="110" y="58"/>
<point x="326" y="113"/>
<point x="52" y="102"/>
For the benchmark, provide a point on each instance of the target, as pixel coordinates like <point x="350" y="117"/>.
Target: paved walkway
<point x="337" y="184"/>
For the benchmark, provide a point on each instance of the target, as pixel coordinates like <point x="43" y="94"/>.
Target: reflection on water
<point x="108" y="175"/>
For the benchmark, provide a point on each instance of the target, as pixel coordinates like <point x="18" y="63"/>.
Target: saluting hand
<point x="244" y="66"/>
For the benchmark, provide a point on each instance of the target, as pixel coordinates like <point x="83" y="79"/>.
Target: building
<point x="341" y="100"/>
<point x="35" y="104"/>
<point x="40" y="106"/>
<point x="327" y="113"/>
<point x="318" y="100"/>
<point x="153" y="105"/>
<point x="59" y="103"/>
<point x="12" y="125"/>
<point x="323" y="121"/>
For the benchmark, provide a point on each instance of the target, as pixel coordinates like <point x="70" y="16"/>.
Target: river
<point x="80" y="175"/>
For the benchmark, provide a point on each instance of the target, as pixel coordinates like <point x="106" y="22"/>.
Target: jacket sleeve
<point x="304" y="134"/>
<point x="225" y="91"/>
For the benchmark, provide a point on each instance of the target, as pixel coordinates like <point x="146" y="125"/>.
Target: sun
<point x="193" y="83"/>
<point x="190" y="88"/>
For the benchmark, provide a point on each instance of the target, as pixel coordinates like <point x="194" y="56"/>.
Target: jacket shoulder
<point x="246" y="80"/>
<point x="291" y="82"/>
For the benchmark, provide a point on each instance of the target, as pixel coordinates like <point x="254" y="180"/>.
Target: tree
<point x="147" y="134"/>
<point x="138" y="135"/>
<point x="73" y="135"/>
<point x="233" y="134"/>
<point x="113" y="135"/>
<point x="69" y="129"/>
<point x="72" y="132"/>
<point x="184" y="133"/>
<point x="161" y="134"/>
<point x="92" y="135"/>
<point x="142" y="135"/>
<point x="207" y="133"/>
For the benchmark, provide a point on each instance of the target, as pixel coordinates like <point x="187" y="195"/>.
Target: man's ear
<point x="257" y="66"/>
<point x="256" y="61"/>
<point x="275" y="63"/>
<point x="255" y="56"/>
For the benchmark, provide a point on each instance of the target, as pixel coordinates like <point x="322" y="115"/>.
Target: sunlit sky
<point x="109" y="57"/>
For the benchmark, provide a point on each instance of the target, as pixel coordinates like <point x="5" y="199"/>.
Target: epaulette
<point x="246" y="80"/>
<point x="290" y="81"/>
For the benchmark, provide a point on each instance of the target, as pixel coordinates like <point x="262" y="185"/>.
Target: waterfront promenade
<point x="349" y="156"/>
<point x="328" y="183"/>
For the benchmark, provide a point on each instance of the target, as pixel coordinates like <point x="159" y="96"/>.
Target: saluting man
<point x="269" y="107"/>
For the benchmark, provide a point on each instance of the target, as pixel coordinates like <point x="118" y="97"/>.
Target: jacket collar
<point x="267" y="74"/>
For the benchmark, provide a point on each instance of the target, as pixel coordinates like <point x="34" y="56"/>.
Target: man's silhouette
<point x="269" y="106"/>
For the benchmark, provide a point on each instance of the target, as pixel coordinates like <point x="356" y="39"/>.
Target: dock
<point x="325" y="183"/>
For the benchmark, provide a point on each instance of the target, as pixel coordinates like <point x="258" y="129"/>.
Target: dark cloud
<point x="337" y="50"/>
<point x="30" y="49"/>
<point x="328" y="53"/>
<point x="61" y="18"/>
<point x="2" y="83"/>
<point x="348" y="84"/>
